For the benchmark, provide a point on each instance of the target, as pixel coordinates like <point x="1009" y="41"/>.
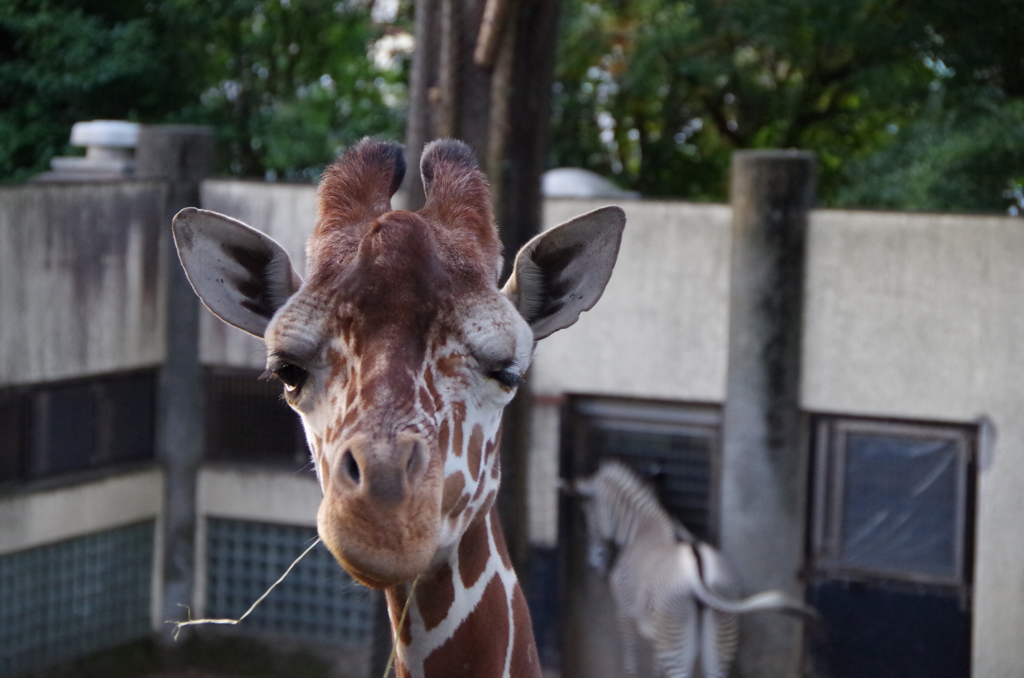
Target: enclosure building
<point x="143" y="465"/>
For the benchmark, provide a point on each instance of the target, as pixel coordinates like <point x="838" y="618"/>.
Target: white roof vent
<point x="109" y="152"/>
<point x="105" y="134"/>
<point x="575" y="182"/>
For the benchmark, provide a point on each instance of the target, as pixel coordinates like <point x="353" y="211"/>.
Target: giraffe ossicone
<point x="399" y="352"/>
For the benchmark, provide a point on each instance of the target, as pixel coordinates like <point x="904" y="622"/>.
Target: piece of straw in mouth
<point x="196" y="622"/>
<point x="401" y="623"/>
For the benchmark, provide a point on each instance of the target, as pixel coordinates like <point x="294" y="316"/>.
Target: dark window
<point x="65" y="439"/>
<point x="675" y="447"/>
<point x="248" y="420"/>
<point x="15" y="430"/>
<point x="126" y="418"/>
<point x="55" y="429"/>
<point x="892" y="500"/>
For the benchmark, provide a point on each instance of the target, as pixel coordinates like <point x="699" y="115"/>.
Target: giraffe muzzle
<point x="381" y="508"/>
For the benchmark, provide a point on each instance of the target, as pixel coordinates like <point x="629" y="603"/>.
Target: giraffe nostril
<point x="417" y="462"/>
<point x="411" y="465"/>
<point x="351" y="466"/>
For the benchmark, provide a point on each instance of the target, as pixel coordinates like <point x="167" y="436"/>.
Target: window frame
<point x="829" y="452"/>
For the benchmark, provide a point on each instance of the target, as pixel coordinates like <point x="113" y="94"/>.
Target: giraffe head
<point x="399" y="351"/>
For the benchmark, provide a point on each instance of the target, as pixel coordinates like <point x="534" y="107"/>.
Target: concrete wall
<point x="32" y="519"/>
<point x="287" y="213"/>
<point x="659" y="330"/>
<point x="922" y="316"/>
<point x="81" y="279"/>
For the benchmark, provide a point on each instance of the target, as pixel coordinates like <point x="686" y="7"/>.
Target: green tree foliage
<point x="289" y="83"/>
<point x="60" y="63"/>
<point x="965" y="150"/>
<point x="285" y="83"/>
<point x="968" y="159"/>
<point x="907" y="105"/>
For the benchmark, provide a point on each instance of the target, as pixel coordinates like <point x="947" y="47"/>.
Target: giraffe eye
<point x="293" y="376"/>
<point x="507" y="377"/>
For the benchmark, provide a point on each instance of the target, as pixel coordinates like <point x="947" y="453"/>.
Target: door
<point x="675" y="447"/>
<point x="891" y="548"/>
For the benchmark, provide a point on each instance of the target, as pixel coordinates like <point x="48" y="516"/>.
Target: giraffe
<point x="399" y="352"/>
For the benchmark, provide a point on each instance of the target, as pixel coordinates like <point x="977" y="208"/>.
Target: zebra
<point x="667" y="585"/>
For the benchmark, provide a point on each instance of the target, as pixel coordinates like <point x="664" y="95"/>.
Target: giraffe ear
<point x="243" y="276"/>
<point x="563" y="272"/>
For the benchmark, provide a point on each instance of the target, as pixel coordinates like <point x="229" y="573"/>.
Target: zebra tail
<point x="772" y="600"/>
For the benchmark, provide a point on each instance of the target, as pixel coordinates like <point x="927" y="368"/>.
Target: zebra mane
<point x="630" y="505"/>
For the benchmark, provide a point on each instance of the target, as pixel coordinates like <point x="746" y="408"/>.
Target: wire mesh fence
<point x="75" y="597"/>
<point x="318" y="601"/>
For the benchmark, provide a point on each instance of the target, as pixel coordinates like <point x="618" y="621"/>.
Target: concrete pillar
<point x="182" y="155"/>
<point x="764" y="466"/>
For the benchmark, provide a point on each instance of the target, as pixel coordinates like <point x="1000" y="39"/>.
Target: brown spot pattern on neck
<point x="475" y="451"/>
<point x="525" y="660"/>
<point x="474" y="551"/>
<point x="478" y="647"/>
<point x="435" y="594"/>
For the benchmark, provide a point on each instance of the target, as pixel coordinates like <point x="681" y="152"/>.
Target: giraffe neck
<point x="468" y="616"/>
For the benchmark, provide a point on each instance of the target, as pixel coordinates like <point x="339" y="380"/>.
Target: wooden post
<point x="764" y="465"/>
<point x="449" y="95"/>
<point x="419" y="128"/>
<point x="533" y="25"/>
